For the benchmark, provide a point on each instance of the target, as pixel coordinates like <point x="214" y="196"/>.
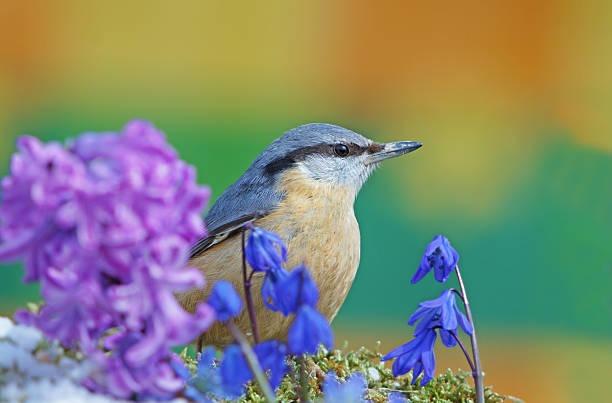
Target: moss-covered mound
<point x="446" y="387"/>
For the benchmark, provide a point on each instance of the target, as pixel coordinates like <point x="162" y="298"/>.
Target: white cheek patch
<point x="350" y="171"/>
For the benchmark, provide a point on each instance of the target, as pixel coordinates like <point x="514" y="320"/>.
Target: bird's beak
<point x="391" y="150"/>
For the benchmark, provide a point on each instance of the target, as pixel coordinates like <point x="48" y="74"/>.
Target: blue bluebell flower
<point x="441" y="313"/>
<point x="235" y="371"/>
<point x="309" y="330"/>
<point x="416" y="355"/>
<point x="439" y="256"/>
<point x="286" y="292"/>
<point x="225" y="300"/>
<point x="271" y="355"/>
<point x="270" y="289"/>
<point x="265" y="250"/>
<point x="350" y="391"/>
<point x="205" y="385"/>
<point x="295" y="290"/>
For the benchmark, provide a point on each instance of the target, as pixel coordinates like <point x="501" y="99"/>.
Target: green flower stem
<point x="304" y="392"/>
<point x="477" y="373"/>
<point x="252" y="361"/>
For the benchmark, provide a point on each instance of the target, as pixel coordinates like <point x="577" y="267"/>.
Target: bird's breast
<point x="318" y="223"/>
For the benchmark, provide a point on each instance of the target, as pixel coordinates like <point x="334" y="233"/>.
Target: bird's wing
<point x="251" y="197"/>
<point x="223" y="232"/>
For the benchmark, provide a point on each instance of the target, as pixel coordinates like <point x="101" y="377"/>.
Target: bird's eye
<point x="341" y="150"/>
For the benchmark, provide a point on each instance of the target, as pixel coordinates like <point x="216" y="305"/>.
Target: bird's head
<point x="329" y="154"/>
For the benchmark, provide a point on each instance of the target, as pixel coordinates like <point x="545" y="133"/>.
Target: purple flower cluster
<point x="105" y="225"/>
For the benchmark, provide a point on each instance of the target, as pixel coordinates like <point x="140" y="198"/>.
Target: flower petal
<point x="422" y="271"/>
<point x="225" y="300"/>
<point x="447" y="338"/>
<point x="309" y="330"/>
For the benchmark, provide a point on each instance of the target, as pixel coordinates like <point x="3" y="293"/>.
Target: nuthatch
<point x="302" y="187"/>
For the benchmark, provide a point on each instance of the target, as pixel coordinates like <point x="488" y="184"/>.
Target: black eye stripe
<point x="355" y="149"/>
<point x="301" y="154"/>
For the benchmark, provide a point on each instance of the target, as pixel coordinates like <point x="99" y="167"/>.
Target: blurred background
<point x="513" y="101"/>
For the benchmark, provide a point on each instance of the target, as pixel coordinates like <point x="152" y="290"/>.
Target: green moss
<point x="446" y="387"/>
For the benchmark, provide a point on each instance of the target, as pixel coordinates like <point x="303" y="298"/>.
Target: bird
<point x="302" y="187"/>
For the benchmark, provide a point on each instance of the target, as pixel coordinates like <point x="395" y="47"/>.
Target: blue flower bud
<point x="297" y="289"/>
<point x="225" y="300"/>
<point x="442" y="313"/>
<point x="235" y="371"/>
<point x="265" y="250"/>
<point x="439" y="256"/>
<point x="416" y="355"/>
<point x="271" y="286"/>
<point x="309" y="330"/>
